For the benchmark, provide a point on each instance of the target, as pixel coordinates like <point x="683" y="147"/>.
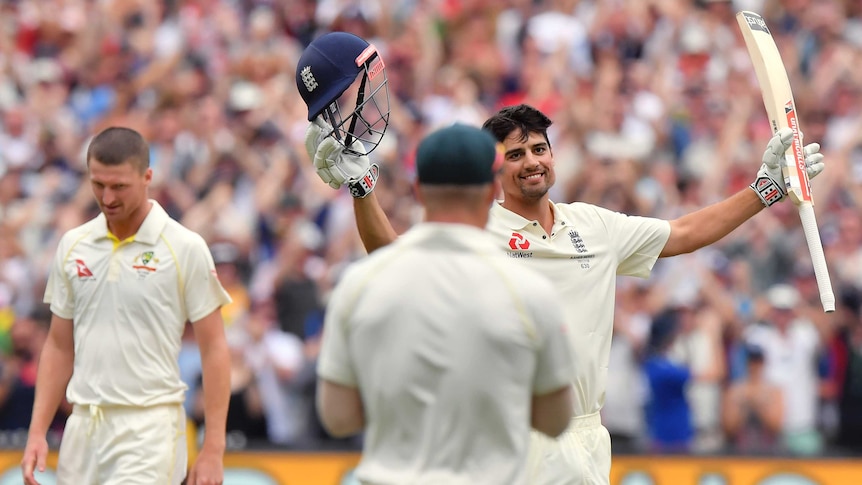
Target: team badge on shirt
<point x="577" y="242"/>
<point x="145" y="263"/>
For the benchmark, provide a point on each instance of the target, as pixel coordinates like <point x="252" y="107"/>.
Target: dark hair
<point x="118" y="145"/>
<point x="753" y="353"/>
<point x="522" y="117"/>
<point x="663" y="331"/>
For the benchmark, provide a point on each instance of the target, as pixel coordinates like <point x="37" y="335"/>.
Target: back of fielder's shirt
<point x="447" y="342"/>
<point x="582" y="256"/>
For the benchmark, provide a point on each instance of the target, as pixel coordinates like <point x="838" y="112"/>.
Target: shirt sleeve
<point x="334" y="362"/>
<point x="637" y="240"/>
<point x="202" y="290"/>
<point x="554" y="363"/>
<point x="58" y="291"/>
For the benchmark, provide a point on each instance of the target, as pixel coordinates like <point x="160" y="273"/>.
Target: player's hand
<point x="35" y="454"/>
<point x="769" y="183"/>
<point x="316" y="132"/>
<point x="207" y="470"/>
<point x="336" y="166"/>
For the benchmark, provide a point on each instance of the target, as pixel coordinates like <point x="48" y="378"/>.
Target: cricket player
<point x="121" y="288"/>
<point x="581" y="248"/>
<point x="445" y="351"/>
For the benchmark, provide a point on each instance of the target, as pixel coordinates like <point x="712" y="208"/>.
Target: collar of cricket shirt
<point x="149" y="231"/>
<point x="517" y="222"/>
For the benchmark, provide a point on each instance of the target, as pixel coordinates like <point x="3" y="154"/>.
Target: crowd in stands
<point x="656" y="112"/>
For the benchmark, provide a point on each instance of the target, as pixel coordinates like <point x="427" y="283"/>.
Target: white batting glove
<point x="316" y="132"/>
<point x="336" y="166"/>
<point x="769" y="183"/>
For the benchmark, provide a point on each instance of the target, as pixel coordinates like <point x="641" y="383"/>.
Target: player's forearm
<point x="52" y="378"/>
<point x="374" y="227"/>
<point x="216" y="395"/>
<point x="706" y="226"/>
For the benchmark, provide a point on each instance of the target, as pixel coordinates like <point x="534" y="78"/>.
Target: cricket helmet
<point x="342" y="77"/>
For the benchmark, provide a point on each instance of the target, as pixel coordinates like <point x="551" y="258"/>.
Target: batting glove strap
<point x="363" y="186"/>
<point x="767" y="189"/>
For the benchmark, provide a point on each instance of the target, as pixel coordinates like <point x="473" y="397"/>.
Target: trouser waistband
<point x="586" y="421"/>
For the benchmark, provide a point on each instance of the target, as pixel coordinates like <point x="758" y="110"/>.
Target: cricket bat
<point x="781" y="109"/>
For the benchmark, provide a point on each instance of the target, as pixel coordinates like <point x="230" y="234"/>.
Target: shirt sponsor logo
<point x="84" y="272"/>
<point x="521" y="255"/>
<point x="518" y="241"/>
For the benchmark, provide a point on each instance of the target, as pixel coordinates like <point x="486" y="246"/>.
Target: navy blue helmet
<point x="342" y="77"/>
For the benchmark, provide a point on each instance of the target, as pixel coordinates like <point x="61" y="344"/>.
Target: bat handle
<point x="812" y="237"/>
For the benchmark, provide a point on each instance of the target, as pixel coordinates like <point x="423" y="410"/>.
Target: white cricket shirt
<point x="585" y="251"/>
<point x="447" y="341"/>
<point x="129" y="301"/>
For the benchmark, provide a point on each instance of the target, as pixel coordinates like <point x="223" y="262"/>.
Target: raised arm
<point x="337" y="166"/>
<point x="372" y="223"/>
<point x="706" y="226"/>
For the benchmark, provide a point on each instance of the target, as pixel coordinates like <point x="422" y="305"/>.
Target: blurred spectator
<point x="668" y="414"/>
<point x="245" y="415"/>
<point x="791" y="346"/>
<point x="847" y="352"/>
<point x="699" y="347"/>
<point x="228" y="264"/>
<point x="753" y="411"/>
<point x="668" y="411"/>
<point x="18" y="373"/>
<point x="622" y="413"/>
<point x="277" y="357"/>
<point x="296" y="288"/>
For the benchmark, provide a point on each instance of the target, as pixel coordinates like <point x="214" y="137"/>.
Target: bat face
<point x="778" y="100"/>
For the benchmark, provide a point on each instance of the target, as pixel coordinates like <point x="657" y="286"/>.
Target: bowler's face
<point x="528" y="167"/>
<point x="120" y="190"/>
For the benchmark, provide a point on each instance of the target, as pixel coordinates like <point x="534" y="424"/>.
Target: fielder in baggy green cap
<point x="458" y="154"/>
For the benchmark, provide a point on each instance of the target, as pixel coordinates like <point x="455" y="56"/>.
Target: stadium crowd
<point x="657" y="112"/>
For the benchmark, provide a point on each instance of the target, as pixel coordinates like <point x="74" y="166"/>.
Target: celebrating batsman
<point x="579" y="246"/>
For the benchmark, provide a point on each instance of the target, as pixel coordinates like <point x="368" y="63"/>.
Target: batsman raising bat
<point x="580" y="247"/>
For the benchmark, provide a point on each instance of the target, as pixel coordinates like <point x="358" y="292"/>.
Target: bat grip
<point x="812" y="237"/>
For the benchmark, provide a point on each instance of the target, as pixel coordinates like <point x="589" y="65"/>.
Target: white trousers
<point x="579" y="456"/>
<point x="123" y="446"/>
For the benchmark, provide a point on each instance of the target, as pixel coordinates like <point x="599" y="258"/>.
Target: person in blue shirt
<point x="668" y="414"/>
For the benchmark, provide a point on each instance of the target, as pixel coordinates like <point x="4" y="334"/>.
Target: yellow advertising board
<point x="275" y="468"/>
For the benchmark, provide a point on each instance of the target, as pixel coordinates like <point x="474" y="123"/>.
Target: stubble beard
<point x="532" y="194"/>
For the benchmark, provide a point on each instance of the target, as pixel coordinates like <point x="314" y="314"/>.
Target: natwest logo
<point x="83" y="270"/>
<point x="518" y="241"/>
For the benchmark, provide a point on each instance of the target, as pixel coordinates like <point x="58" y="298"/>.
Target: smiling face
<point x="528" y="168"/>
